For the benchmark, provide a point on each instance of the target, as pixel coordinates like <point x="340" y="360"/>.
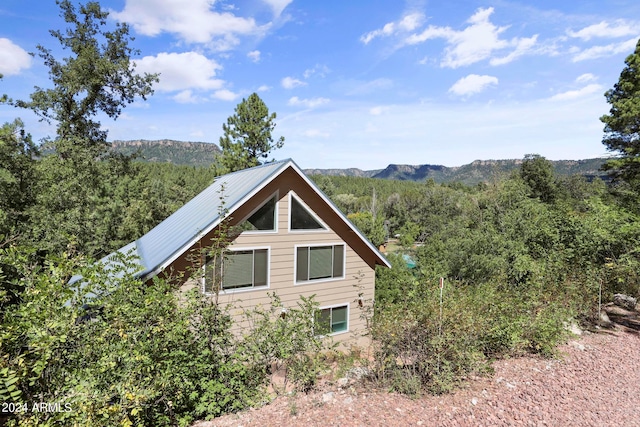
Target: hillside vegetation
<point x="204" y="154"/>
<point x="520" y="253"/>
<point x="169" y="151"/>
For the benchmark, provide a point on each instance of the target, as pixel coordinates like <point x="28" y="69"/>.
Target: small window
<point x="332" y="320"/>
<point x="319" y="262"/>
<point x="264" y="219"/>
<point x="301" y="218"/>
<point x="239" y="270"/>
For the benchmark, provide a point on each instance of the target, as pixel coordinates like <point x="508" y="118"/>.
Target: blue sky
<point x="359" y="83"/>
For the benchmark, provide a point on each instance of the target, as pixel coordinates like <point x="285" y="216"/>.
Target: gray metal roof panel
<point x="198" y="216"/>
<point x="176" y="234"/>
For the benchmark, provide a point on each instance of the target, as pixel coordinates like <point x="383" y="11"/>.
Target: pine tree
<point x="247" y="136"/>
<point x="622" y="124"/>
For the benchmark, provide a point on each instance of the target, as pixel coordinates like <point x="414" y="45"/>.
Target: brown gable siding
<point x="358" y="271"/>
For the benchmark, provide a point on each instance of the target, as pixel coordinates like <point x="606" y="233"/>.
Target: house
<point x="294" y="241"/>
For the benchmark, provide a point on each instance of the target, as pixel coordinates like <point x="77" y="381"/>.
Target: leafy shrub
<point x="286" y="340"/>
<point x="415" y="346"/>
<point x="137" y="356"/>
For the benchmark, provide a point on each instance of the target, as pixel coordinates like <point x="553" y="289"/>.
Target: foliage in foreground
<point x="418" y="348"/>
<point x="123" y="352"/>
<point x="523" y="256"/>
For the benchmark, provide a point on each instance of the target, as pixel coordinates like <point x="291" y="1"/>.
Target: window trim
<point x="327" y="279"/>
<point x="309" y="210"/>
<point x="245" y="289"/>
<point x="275" y="195"/>
<point x="331" y="307"/>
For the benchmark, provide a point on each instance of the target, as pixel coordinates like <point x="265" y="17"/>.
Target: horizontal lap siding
<point x="282" y="246"/>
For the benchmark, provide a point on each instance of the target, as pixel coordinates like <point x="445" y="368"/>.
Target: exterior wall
<point x="359" y="275"/>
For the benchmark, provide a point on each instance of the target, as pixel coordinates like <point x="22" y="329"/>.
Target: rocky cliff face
<point x="167" y="150"/>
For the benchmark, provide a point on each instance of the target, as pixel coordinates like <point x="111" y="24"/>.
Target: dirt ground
<point x="594" y="382"/>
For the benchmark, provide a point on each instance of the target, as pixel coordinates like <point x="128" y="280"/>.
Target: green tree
<point x="75" y="200"/>
<point x="538" y="173"/>
<point x="622" y="124"/>
<point x="17" y="177"/>
<point x="3" y="98"/>
<point x="371" y="227"/>
<point x="98" y="77"/>
<point x="247" y="136"/>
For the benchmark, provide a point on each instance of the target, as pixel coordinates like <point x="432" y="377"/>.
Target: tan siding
<point x="281" y="276"/>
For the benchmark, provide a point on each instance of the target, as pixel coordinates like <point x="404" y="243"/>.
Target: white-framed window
<point x="332" y="320"/>
<point x="301" y="217"/>
<point x="319" y="262"/>
<point x="263" y="219"/>
<point x="241" y="269"/>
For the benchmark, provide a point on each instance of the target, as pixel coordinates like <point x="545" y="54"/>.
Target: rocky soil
<point x="594" y="382"/>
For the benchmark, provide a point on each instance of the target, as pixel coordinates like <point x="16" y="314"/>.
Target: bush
<point x="120" y="351"/>
<point x="414" y="346"/>
<point x="286" y="340"/>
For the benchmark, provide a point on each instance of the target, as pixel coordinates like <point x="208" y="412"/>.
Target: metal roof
<point x="172" y="237"/>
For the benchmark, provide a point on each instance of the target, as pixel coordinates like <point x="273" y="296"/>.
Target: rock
<point x="625" y="301"/>
<point x="474" y="401"/>
<point x="616" y="310"/>
<point x="573" y="328"/>
<point x="358" y="373"/>
<point x="343" y="382"/>
<point x="327" y="397"/>
<point x="604" y="320"/>
<point x="577" y="345"/>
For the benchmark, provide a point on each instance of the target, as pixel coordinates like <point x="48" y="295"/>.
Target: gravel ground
<point x="595" y="382"/>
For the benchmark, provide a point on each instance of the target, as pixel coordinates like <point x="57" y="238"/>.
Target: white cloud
<point x="13" y="59"/>
<point x="408" y="23"/>
<point x="181" y="71"/>
<point x="603" y="29"/>
<point x="254" y="55"/>
<point x="193" y="21"/>
<point x="186" y="97"/>
<point x="603" y="51"/>
<point x="523" y="46"/>
<point x="290" y="83"/>
<point x="476" y="42"/>
<point x="263" y="88"/>
<point x="278" y="5"/>
<point x="579" y="93"/>
<point x="480" y="40"/>
<point x="319" y="70"/>
<point x="225" y="95"/>
<point x="584" y="78"/>
<point x="309" y="103"/>
<point x="472" y="84"/>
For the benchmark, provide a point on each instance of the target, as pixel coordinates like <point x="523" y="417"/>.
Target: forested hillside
<point x="204" y="154"/>
<point x="472" y="173"/>
<point x="169" y="151"/>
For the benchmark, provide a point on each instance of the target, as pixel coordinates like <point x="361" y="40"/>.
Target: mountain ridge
<point x="204" y="154"/>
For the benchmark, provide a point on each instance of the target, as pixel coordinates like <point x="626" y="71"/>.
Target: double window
<point x="332" y="320"/>
<point x="243" y="269"/>
<point x="319" y="262"/>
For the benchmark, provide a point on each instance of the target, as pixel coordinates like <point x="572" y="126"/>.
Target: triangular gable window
<point x="302" y="219"/>
<point x="264" y="219"/>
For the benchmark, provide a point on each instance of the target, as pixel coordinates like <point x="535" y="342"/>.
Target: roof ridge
<point x="254" y="167"/>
